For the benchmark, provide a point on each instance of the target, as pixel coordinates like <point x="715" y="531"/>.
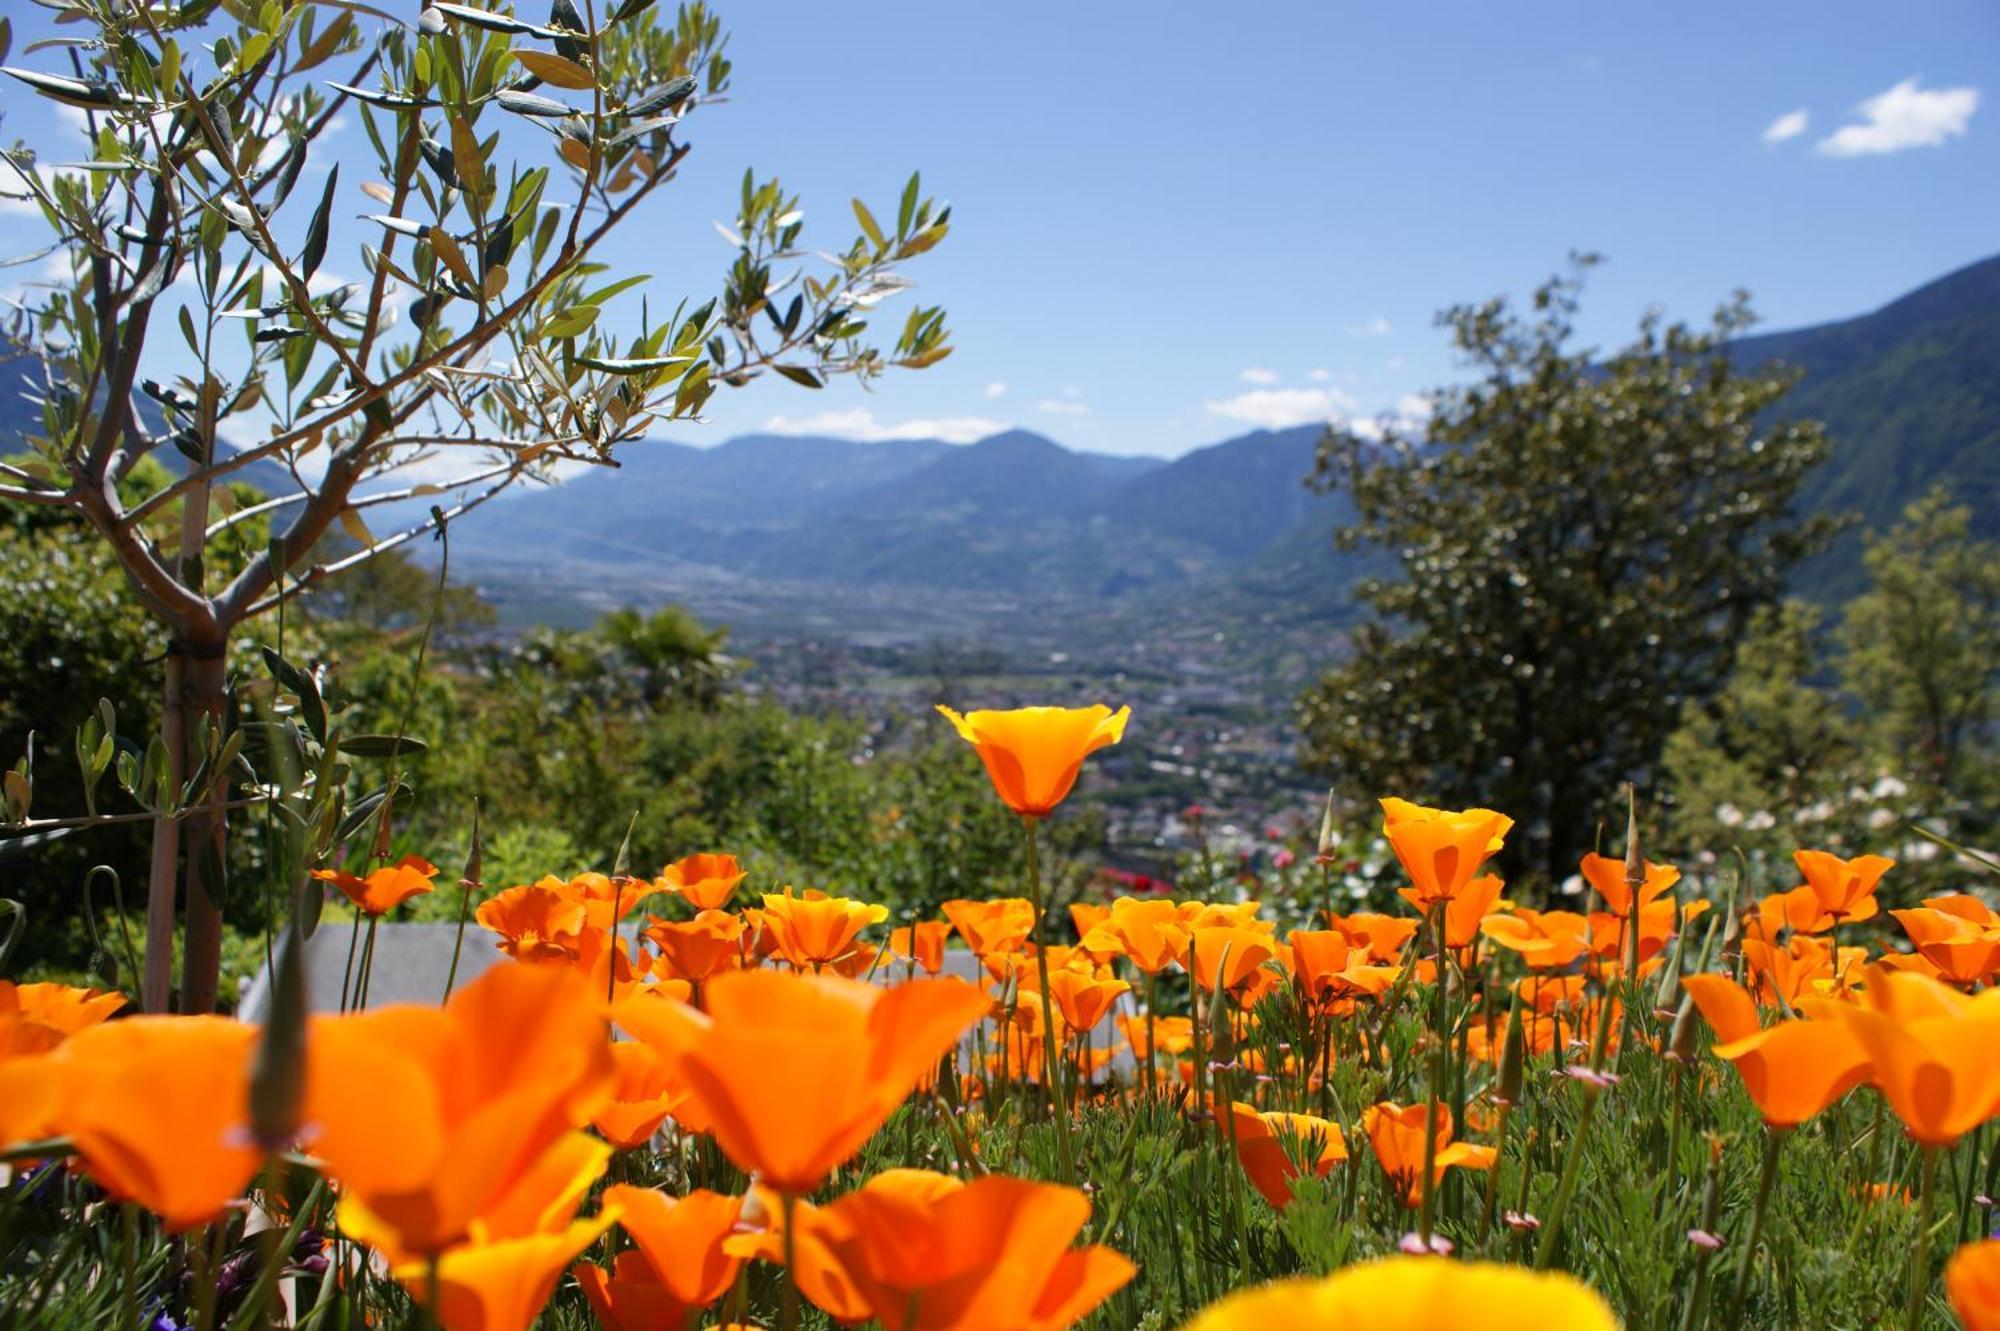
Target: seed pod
<point x="1221" y="1043"/>
<point x="1680" y="1042"/>
<point x="1513" y="1057"/>
<point x="1329" y="837"/>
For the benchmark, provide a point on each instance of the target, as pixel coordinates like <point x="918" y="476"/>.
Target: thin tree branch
<point x="320" y="572"/>
<point x="46" y="498"/>
<point x="470" y="341"/>
<point x="370" y="501"/>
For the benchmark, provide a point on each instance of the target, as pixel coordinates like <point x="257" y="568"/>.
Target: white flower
<point x="1728" y="815"/>
<point x="1760" y="821"/>
<point x="1882" y="818"/>
<point x="1889" y="788"/>
<point x="1572" y="886"/>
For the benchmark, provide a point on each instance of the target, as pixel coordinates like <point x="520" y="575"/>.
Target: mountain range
<point x="1016" y="522"/>
<point x="1908" y="393"/>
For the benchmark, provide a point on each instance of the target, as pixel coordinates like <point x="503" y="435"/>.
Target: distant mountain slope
<point x="1235" y="497"/>
<point x="1910" y="395"/>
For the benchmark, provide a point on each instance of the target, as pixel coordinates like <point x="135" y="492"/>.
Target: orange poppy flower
<point x="993" y="927"/>
<point x="1172" y="1035"/>
<point x="1545" y="993"/>
<point x="1785" y="974"/>
<point x="923" y="943"/>
<point x="1149" y="933"/>
<point x="535" y="923"/>
<point x="504" y="1284"/>
<point x="62" y="1008"/>
<point x="1546" y="940"/>
<point x="30" y="1095"/>
<point x="1315" y="958"/>
<point x="1033" y="754"/>
<point x="606" y="901"/>
<point x="643" y="1093"/>
<point x="630" y="1296"/>
<point x="158" y="1109"/>
<point x="34" y="1019"/>
<point x="815" y="929"/>
<point x="1328" y="970"/>
<point x="500" y="1277"/>
<point x="1930" y="1048"/>
<point x="385" y="888"/>
<point x="705" y="882"/>
<point x="1246" y="949"/>
<point x="1087" y="915"/>
<point x="1225" y="915"/>
<point x="427" y="1116"/>
<point x="1464" y="910"/>
<point x="1381" y="937"/>
<point x="924" y="1252"/>
<point x="1792" y="1070"/>
<point x="696" y="949"/>
<point x="1081" y="998"/>
<point x="1972" y="1283"/>
<point x="1276" y="1148"/>
<point x="1415" y="1294"/>
<point x="1441" y="849"/>
<point x="1396" y="1132"/>
<point x="681" y="1239"/>
<point x="1606" y="877"/>
<point x="1966" y="907"/>
<point x="1962" y="950"/>
<point x="1845" y="888"/>
<point x="794" y="1072"/>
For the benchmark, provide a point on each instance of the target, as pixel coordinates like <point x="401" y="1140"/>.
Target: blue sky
<point x="1174" y="223"/>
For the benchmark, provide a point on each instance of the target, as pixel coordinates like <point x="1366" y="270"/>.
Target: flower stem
<point x="1774" y="1140"/>
<point x="1920" y="1255"/>
<point x="347" y="974"/>
<point x="128" y="1241"/>
<point x="1051" y="1055"/>
<point x="788" y="1319"/>
<point x="1152" y="1049"/>
<point x="1427" y="1204"/>
<point x="367" y="964"/>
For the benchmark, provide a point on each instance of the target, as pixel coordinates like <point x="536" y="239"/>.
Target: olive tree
<point x="1579" y="543"/>
<point x="200" y="305"/>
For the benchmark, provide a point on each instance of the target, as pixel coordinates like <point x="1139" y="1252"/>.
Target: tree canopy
<point x="1580" y="542"/>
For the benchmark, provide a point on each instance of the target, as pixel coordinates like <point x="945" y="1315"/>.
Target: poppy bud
<point x="474" y="855"/>
<point x="1513" y="1057"/>
<point x="1221" y="1044"/>
<point x="1635" y="863"/>
<point x="1680" y="1043"/>
<point x="1329" y="838"/>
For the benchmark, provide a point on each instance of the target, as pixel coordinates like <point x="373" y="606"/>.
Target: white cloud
<point x="1905" y="116"/>
<point x="860" y="423"/>
<point x="1260" y="376"/>
<point x="1319" y="376"/>
<point x="1062" y="406"/>
<point x="1413" y="407"/>
<point x="995" y="389"/>
<point x="1376" y="327"/>
<point x="1787" y="126"/>
<point x="15" y="198"/>
<point x="1278" y="408"/>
